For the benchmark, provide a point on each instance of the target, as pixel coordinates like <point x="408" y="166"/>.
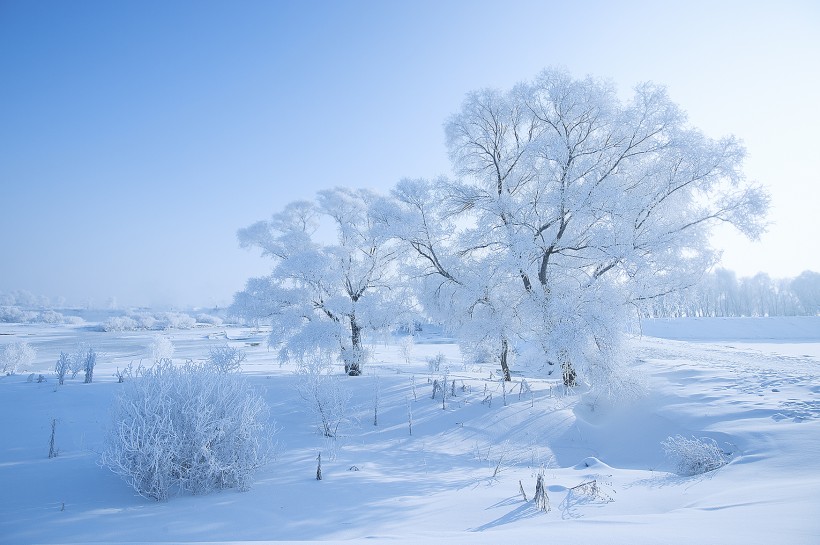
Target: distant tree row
<point x="27" y="300"/>
<point x="721" y="293"/>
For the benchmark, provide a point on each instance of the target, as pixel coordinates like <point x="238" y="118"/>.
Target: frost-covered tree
<point x="463" y="290"/>
<point x="806" y="288"/>
<point x="322" y="295"/>
<point x="574" y="205"/>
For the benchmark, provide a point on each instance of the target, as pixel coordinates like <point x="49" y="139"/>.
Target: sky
<point x="137" y="137"/>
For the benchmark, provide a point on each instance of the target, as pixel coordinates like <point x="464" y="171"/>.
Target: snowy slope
<point x="456" y="478"/>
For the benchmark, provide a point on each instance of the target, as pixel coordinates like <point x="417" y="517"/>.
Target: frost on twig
<point x="694" y="456"/>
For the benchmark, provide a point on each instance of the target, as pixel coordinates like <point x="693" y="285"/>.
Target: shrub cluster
<point x="17" y="315"/>
<point x="694" y="456"/>
<point x="153" y="322"/>
<point x="15" y="355"/>
<point x="188" y="428"/>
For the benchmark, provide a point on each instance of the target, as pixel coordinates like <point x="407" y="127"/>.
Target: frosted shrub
<point x="147" y="321"/>
<point x="50" y="317"/>
<point x="694" y="456"/>
<point x="434" y="364"/>
<point x="187" y="428"/>
<point x="151" y="322"/>
<point x="161" y="348"/>
<point x="406" y="345"/>
<point x="62" y="367"/>
<point x="208" y="319"/>
<point x="89" y="362"/>
<point x="12" y="314"/>
<point x="173" y="320"/>
<point x="77" y="360"/>
<point x="15" y="355"/>
<point x="120" y="323"/>
<point x="323" y="394"/>
<point x="226" y="359"/>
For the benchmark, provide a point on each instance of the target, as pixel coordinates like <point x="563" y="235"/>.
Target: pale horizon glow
<point x="137" y="137"/>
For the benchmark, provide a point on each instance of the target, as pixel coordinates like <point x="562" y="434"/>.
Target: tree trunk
<point x="353" y="361"/>
<point x="504" y="366"/>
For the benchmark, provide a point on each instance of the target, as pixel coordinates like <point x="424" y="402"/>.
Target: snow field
<point x="456" y="478"/>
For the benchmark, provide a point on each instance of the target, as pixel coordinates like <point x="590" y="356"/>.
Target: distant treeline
<point x="721" y="293"/>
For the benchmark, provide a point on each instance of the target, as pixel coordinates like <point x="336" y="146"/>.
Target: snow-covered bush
<point x="120" y="323"/>
<point x="173" y="320"/>
<point x="89" y="362"/>
<point x="16" y="315"/>
<point x="226" y="359"/>
<point x="62" y="367"/>
<point x="694" y="456"/>
<point x="208" y="319"/>
<point x="15" y="355"/>
<point x="161" y="348"/>
<point x="50" y="317"/>
<point x="323" y="394"/>
<point x="151" y="322"/>
<point x="187" y="428"/>
<point x="77" y="359"/>
<point x="147" y="321"/>
<point x="434" y="363"/>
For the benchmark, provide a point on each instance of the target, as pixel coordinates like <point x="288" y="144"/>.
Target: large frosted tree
<point x="322" y="294"/>
<point x="576" y="205"/>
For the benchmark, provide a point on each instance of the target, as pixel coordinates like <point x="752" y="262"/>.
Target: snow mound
<point x="591" y="462"/>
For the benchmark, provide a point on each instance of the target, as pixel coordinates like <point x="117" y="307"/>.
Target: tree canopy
<point x="569" y="208"/>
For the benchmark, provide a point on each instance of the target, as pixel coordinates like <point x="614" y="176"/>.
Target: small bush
<point x="15" y="355"/>
<point x="62" y="367"/>
<point x="120" y="323"/>
<point x="173" y="320"/>
<point x="161" y="348"/>
<point x="323" y="394"/>
<point x="50" y="317"/>
<point x="151" y="322"/>
<point x="226" y="359"/>
<point x="694" y="456"/>
<point x="13" y="314"/>
<point x="187" y="429"/>
<point x="208" y="319"/>
<point x="89" y="363"/>
<point x="78" y="359"/>
<point x="434" y="364"/>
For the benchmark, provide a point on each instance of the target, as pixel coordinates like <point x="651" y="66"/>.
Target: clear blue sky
<point x="136" y="137"/>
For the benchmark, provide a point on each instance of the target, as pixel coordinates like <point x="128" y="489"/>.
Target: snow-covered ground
<point x="752" y="386"/>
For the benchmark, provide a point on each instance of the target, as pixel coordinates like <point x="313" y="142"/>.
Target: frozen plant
<point x="187" y="428"/>
<point x="406" y="345"/>
<point x="694" y="456"/>
<point x="77" y="359"/>
<point x="127" y="372"/>
<point x="226" y="359"/>
<point x="161" y="348"/>
<point x="52" y="451"/>
<point x="62" y="367"/>
<point x="541" y="499"/>
<point x="89" y="362"/>
<point x="320" y="295"/>
<point x="120" y="323"/>
<point x="209" y="319"/>
<point x="323" y="394"/>
<point x="434" y="363"/>
<point x="16" y="354"/>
